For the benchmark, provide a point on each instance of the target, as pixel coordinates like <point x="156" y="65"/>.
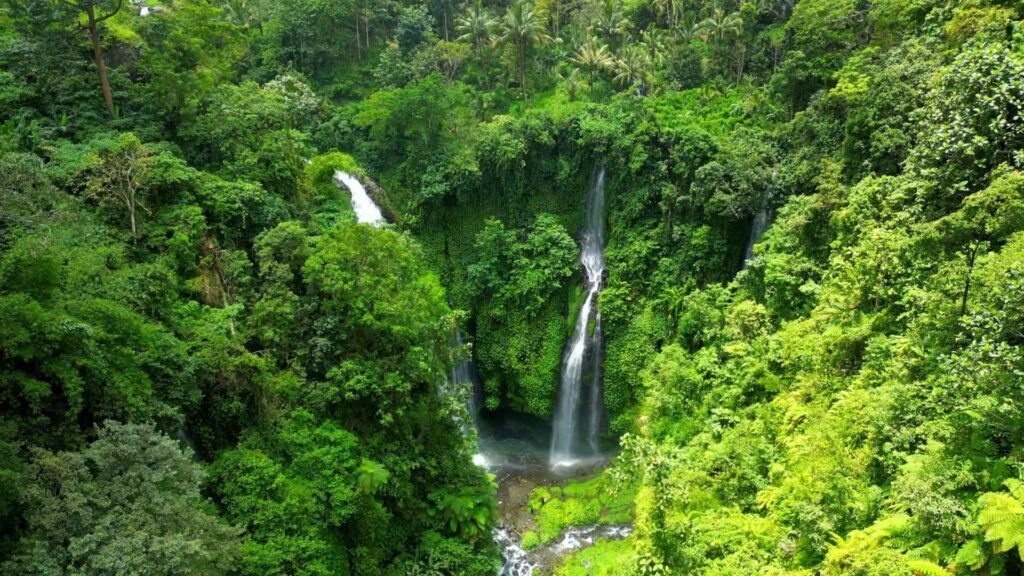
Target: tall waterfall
<point x="579" y="410"/>
<point x="366" y="209"/>
<point x="757" y="228"/>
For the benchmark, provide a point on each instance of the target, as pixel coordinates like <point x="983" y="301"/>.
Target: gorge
<point x="513" y="287"/>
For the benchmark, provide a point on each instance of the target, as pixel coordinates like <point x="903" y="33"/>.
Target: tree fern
<point x="972" y="554"/>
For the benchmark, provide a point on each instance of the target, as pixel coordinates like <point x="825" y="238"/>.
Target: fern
<point x="897" y="532"/>
<point x="1002" y="517"/>
<point x="972" y="555"/>
<point x="926" y="568"/>
<point x="372" y="476"/>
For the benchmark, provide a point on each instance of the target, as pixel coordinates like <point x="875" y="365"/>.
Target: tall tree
<point x="670" y="10"/>
<point x="476" y="26"/>
<point x="594" y="58"/>
<point x="96" y="12"/>
<point x="611" y="23"/>
<point x="521" y="29"/>
<point x="118" y="175"/>
<point x="720" y="25"/>
<point x="633" y="67"/>
<point x="129" y="503"/>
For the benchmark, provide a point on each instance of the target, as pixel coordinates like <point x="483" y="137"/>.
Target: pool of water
<point x="516" y="448"/>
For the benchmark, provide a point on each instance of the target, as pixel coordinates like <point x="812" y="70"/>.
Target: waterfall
<point x="579" y="409"/>
<point x="185" y="438"/>
<point x="463" y="378"/>
<point x="757" y="228"/>
<point x="366" y="209"/>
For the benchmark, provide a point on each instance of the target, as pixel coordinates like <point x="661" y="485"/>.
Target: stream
<point x="516" y="449"/>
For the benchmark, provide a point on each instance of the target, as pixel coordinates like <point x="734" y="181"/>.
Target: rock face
<point x="513" y="503"/>
<point x="379" y="197"/>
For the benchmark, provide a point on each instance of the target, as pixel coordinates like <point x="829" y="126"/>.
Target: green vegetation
<point x="177" y="266"/>
<point x="603" y="559"/>
<point x="577" y="503"/>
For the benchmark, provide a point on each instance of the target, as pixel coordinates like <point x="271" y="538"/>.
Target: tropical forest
<point x="511" y="287"/>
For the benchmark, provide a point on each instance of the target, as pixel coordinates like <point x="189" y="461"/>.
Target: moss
<point x="523" y="353"/>
<point x="626" y="354"/>
<point x="579" y="503"/>
<point x="604" y="558"/>
<point x="530" y="540"/>
<point x="538" y="498"/>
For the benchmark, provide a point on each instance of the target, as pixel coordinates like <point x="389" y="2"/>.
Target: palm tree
<point x="611" y="22"/>
<point x="594" y="59"/>
<point x="670" y="10"/>
<point x="476" y="26"/>
<point x="633" y="67"/>
<point x="571" y="80"/>
<point x="687" y="29"/>
<point x="654" y="41"/>
<point x="520" y="28"/>
<point x="720" y="25"/>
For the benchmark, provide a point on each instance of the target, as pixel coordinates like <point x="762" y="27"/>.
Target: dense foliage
<point x="206" y="367"/>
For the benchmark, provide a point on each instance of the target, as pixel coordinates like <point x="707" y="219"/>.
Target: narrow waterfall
<point x="757" y="228"/>
<point x="463" y="379"/>
<point x="579" y="409"/>
<point x="366" y="209"/>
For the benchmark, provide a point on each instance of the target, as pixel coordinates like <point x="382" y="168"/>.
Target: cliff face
<point x="380" y="197"/>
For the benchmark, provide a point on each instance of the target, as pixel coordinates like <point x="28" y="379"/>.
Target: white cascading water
<point x="463" y="376"/>
<point x="578" y="416"/>
<point x="365" y="208"/>
<point x="757" y="229"/>
<point x="571" y="427"/>
<point x="515" y="560"/>
<point x="519" y="562"/>
<point x="463" y="382"/>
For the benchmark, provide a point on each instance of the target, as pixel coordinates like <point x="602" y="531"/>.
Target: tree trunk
<point x="97" y="53"/>
<point x="742" y="51"/>
<point x="444" y="6"/>
<point x="131" y="216"/>
<point x="522" y="71"/>
<point x="558" y="21"/>
<point x="972" y="256"/>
